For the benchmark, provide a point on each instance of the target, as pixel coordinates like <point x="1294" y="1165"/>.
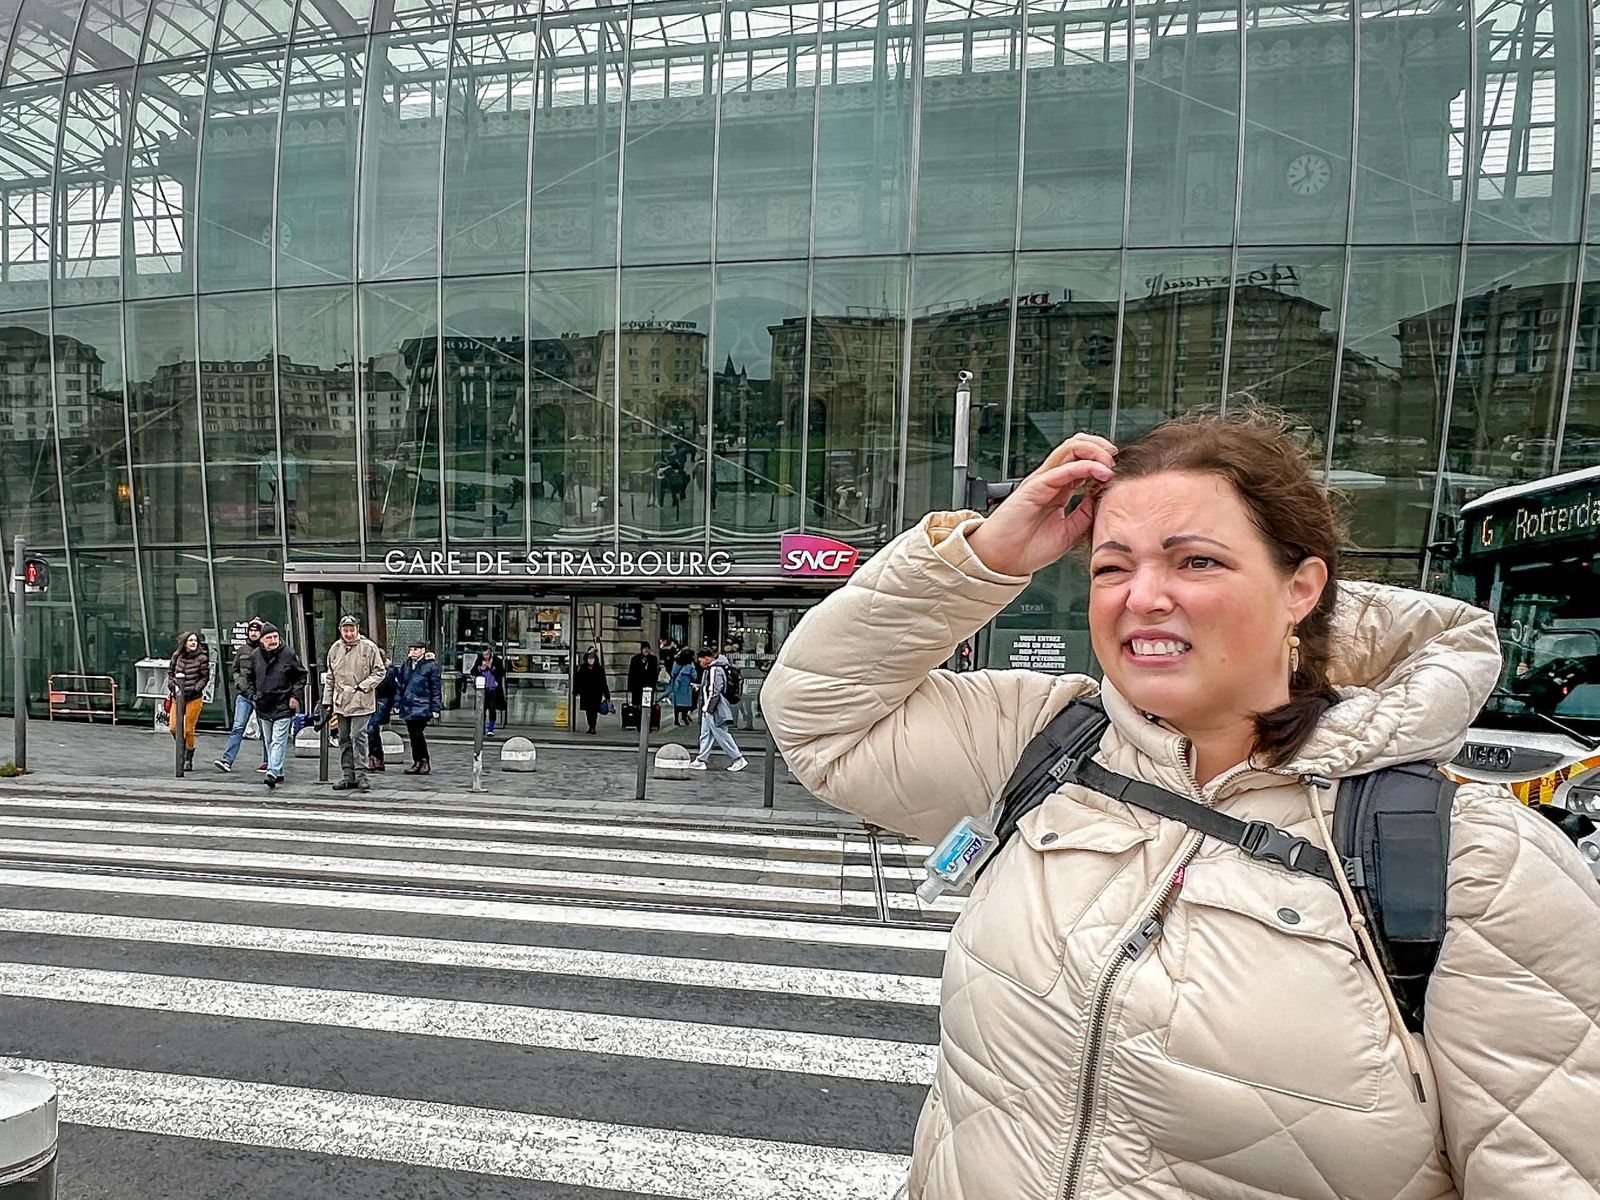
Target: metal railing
<point x="80" y="699"/>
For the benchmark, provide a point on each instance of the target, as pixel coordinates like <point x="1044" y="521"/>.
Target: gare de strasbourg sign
<point x="799" y="554"/>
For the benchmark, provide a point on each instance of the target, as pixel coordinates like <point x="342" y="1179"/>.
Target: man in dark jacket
<point x="243" y="702"/>
<point x="644" y="671"/>
<point x="275" y="679"/>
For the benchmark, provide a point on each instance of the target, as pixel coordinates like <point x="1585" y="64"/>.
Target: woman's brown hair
<point x="1252" y="448"/>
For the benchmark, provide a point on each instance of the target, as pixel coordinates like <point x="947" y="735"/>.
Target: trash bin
<point x="150" y="683"/>
<point x="27" y="1137"/>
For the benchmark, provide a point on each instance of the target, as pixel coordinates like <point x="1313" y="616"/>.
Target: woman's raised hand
<point x="1031" y="528"/>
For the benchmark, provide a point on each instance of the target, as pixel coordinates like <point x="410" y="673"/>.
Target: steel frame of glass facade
<point x="371" y="274"/>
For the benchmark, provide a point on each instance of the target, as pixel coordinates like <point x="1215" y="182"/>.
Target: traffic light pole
<point x="19" y="663"/>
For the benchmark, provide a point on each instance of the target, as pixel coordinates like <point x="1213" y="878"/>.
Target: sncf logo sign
<point x="807" y="554"/>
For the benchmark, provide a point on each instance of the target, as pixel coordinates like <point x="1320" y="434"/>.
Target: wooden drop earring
<point x="1294" y="655"/>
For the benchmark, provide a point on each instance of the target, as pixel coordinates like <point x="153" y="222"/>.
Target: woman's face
<point x="1189" y="615"/>
<point x="191" y="642"/>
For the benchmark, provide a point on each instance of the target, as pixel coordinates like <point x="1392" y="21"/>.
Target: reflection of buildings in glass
<point x="1506" y="405"/>
<point x="28" y="410"/>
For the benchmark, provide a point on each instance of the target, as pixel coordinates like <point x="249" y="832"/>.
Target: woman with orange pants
<point x="188" y="673"/>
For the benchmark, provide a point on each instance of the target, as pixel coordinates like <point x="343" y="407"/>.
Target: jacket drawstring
<point x="1358" y="923"/>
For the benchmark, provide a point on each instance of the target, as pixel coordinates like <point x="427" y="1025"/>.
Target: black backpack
<point x="1391" y="828"/>
<point x="732" y="684"/>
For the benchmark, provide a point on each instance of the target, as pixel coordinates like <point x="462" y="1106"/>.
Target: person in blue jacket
<point x="680" y="689"/>
<point x="419" y="698"/>
<point x="384" y="694"/>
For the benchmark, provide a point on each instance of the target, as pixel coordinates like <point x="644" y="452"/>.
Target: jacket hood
<point x="1411" y="669"/>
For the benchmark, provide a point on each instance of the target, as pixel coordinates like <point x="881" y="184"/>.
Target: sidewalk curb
<point x="632" y="811"/>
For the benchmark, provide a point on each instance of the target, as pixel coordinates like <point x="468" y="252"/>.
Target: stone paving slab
<point x="132" y="760"/>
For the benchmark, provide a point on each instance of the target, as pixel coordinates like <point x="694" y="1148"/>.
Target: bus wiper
<point x="1583" y="739"/>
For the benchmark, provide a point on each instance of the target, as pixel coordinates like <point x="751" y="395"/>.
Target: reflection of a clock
<point x="1308" y="174"/>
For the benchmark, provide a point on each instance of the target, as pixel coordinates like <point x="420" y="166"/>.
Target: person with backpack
<point x="720" y="689"/>
<point x="1168" y="982"/>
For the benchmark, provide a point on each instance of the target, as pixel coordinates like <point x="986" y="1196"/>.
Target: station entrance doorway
<point x="539" y="639"/>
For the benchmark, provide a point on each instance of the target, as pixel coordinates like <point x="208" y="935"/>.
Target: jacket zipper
<point x="1149" y="929"/>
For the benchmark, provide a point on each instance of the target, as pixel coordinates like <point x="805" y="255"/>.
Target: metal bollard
<point x="771" y="774"/>
<point x="322" y="735"/>
<point x="27" y="1137"/>
<point x="647" y="702"/>
<point x="478" y="684"/>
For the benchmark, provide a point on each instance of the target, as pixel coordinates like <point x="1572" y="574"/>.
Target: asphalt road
<point x="247" y="997"/>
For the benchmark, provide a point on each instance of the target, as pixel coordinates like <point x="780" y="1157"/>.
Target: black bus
<point x="1530" y="554"/>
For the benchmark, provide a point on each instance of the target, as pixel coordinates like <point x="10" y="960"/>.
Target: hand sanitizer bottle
<point x="956" y="860"/>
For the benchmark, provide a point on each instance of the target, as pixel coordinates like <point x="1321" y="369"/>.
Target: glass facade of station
<point x="289" y="280"/>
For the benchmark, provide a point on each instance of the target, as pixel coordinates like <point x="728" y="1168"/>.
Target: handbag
<point x="606" y="707"/>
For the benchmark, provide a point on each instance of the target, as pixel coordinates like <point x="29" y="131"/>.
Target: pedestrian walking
<point x="355" y="668"/>
<point x="419" y="698"/>
<point x="1166" y="983"/>
<point x="717" y="678"/>
<point x="491" y="668"/>
<point x="276" y="676"/>
<point x="591" y="687"/>
<point x="188" y="673"/>
<point x="384" y="694"/>
<point x="243" y="702"/>
<point x="680" y="686"/>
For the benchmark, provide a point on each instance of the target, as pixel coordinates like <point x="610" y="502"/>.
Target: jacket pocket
<point x="1017" y="920"/>
<point x="1271" y="987"/>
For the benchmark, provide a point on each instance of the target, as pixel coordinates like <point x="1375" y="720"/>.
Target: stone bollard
<point x="308" y="743"/>
<point x="27" y="1137"/>
<point x="393" y="744"/>
<point x="672" y="762"/>
<point x="518" y="754"/>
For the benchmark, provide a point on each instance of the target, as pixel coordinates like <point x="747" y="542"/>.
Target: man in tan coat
<point x="1132" y="1010"/>
<point x="355" y="668"/>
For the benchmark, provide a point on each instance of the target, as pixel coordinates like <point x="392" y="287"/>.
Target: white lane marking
<point x="620" y="830"/>
<point x="402" y="870"/>
<point x="666" y="858"/>
<point x="652" y="1038"/>
<point x="554" y="960"/>
<point x="450" y="1137"/>
<point x="632" y="920"/>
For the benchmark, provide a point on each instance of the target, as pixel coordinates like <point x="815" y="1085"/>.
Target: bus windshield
<point x="1548" y="615"/>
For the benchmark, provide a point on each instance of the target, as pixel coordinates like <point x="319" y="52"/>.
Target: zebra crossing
<point x="357" y="998"/>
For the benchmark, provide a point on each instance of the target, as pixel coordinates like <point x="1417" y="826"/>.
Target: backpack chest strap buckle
<point x="1266" y="841"/>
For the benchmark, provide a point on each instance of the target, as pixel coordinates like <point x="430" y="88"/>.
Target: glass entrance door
<point x="533" y="640"/>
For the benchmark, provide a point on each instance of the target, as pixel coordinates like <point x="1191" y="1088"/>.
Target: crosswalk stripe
<point x="634" y="919"/>
<point x="685" y="972"/>
<point x="657" y="887"/>
<point x="544" y="1028"/>
<point x="679" y="1164"/>
<point x="674" y="858"/>
<point x="354" y="814"/>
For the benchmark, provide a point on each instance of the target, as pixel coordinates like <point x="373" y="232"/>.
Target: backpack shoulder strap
<point x="1392" y="829"/>
<point x="1072" y="735"/>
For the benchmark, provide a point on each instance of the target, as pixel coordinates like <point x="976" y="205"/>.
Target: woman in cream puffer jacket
<point x="1247" y="1051"/>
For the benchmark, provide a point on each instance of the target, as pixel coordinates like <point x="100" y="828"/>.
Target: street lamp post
<point x="963" y="440"/>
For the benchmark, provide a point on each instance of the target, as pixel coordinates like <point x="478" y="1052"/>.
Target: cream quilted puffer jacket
<point x="1246" y="1052"/>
